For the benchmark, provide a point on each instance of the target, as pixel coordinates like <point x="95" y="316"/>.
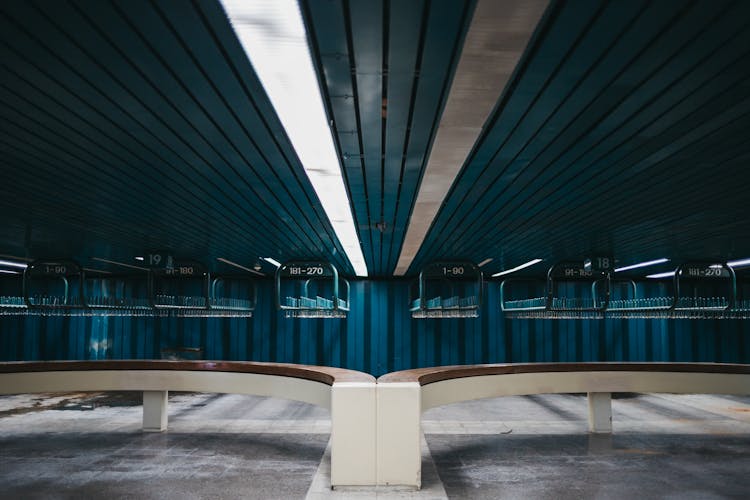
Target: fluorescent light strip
<point x="641" y="264"/>
<point x="484" y="262"/>
<point x="661" y="275"/>
<point x="225" y="261"/>
<point x="119" y="263"/>
<point x="273" y="261"/>
<point x="13" y="264"/>
<point x="92" y="270"/>
<point x="273" y="35"/>
<point x="732" y="264"/>
<point x="5" y="271"/>
<point x="517" y="268"/>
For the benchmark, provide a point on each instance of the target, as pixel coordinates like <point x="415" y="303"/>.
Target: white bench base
<point x="155" y="411"/>
<point x="600" y="412"/>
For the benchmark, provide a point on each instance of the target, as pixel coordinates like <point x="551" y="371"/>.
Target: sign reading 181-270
<point x="704" y="271"/>
<point x="306" y="269"/>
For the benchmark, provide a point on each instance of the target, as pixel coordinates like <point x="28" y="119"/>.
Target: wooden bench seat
<point x="404" y="395"/>
<point x="375" y="427"/>
<point x="349" y="395"/>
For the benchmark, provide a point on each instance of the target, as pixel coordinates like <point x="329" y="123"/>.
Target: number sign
<point x="182" y="269"/>
<point x="599" y="264"/>
<point x="54" y="268"/>
<point x="306" y="270"/>
<point x="572" y="270"/>
<point x="704" y="271"/>
<point x="449" y="270"/>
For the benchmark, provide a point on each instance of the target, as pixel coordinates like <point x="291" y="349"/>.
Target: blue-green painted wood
<point x="601" y="141"/>
<point x="385" y="69"/>
<point x="379" y="336"/>
<point x="129" y="128"/>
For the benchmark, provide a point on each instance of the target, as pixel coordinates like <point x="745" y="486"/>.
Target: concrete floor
<point x="231" y="446"/>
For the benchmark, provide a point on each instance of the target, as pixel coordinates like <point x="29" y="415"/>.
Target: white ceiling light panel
<point x="273" y="35"/>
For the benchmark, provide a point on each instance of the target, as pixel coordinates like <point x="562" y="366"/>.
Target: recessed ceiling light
<point x="140" y="258"/>
<point x="99" y="271"/>
<point x="240" y="266"/>
<point x="661" y="275"/>
<point x="517" y="268"/>
<point x="10" y="263"/>
<point x="641" y="264"/>
<point x="274" y="38"/>
<point x="271" y="260"/>
<point x="739" y="263"/>
<point x="119" y="263"/>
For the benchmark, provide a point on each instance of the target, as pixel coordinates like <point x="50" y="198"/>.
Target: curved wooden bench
<point x="311" y="384"/>
<point x="448" y="384"/>
<point x="349" y="395"/>
<point x="404" y="395"/>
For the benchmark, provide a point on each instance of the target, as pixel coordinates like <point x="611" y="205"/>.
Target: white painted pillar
<point x="600" y="412"/>
<point x="399" y="433"/>
<point x="154" y="411"/>
<point x="353" y="433"/>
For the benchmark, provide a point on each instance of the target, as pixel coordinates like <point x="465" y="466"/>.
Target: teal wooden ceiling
<point x="130" y="126"/>
<point x="623" y="132"/>
<point x="135" y="126"/>
<point x="385" y="71"/>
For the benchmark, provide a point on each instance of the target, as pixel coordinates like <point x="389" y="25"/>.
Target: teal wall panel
<point x="379" y="336"/>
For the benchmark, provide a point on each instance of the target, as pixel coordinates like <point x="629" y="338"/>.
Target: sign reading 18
<point x="453" y="271"/>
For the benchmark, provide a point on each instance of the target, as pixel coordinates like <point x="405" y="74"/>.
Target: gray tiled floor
<point x="230" y="446"/>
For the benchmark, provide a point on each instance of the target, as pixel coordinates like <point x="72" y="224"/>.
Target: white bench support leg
<point x="353" y="428"/>
<point x="600" y="412"/>
<point x="154" y="411"/>
<point x="399" y="429"/>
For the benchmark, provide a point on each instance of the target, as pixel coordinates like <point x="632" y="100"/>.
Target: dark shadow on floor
<point x="166" y="465"/>
<point x="642" y="466"/>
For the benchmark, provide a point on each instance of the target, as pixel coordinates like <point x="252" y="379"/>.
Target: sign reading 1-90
<point x="453" y="270"/>
<point x="449" y="270"/>
<point x="51" y="269"/>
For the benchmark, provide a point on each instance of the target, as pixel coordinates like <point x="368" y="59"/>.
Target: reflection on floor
<point x="231" y="446"/>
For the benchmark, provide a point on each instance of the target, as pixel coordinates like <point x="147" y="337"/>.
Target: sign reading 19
<point x="453" y="271"/>
<point x="307" y="271"/>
